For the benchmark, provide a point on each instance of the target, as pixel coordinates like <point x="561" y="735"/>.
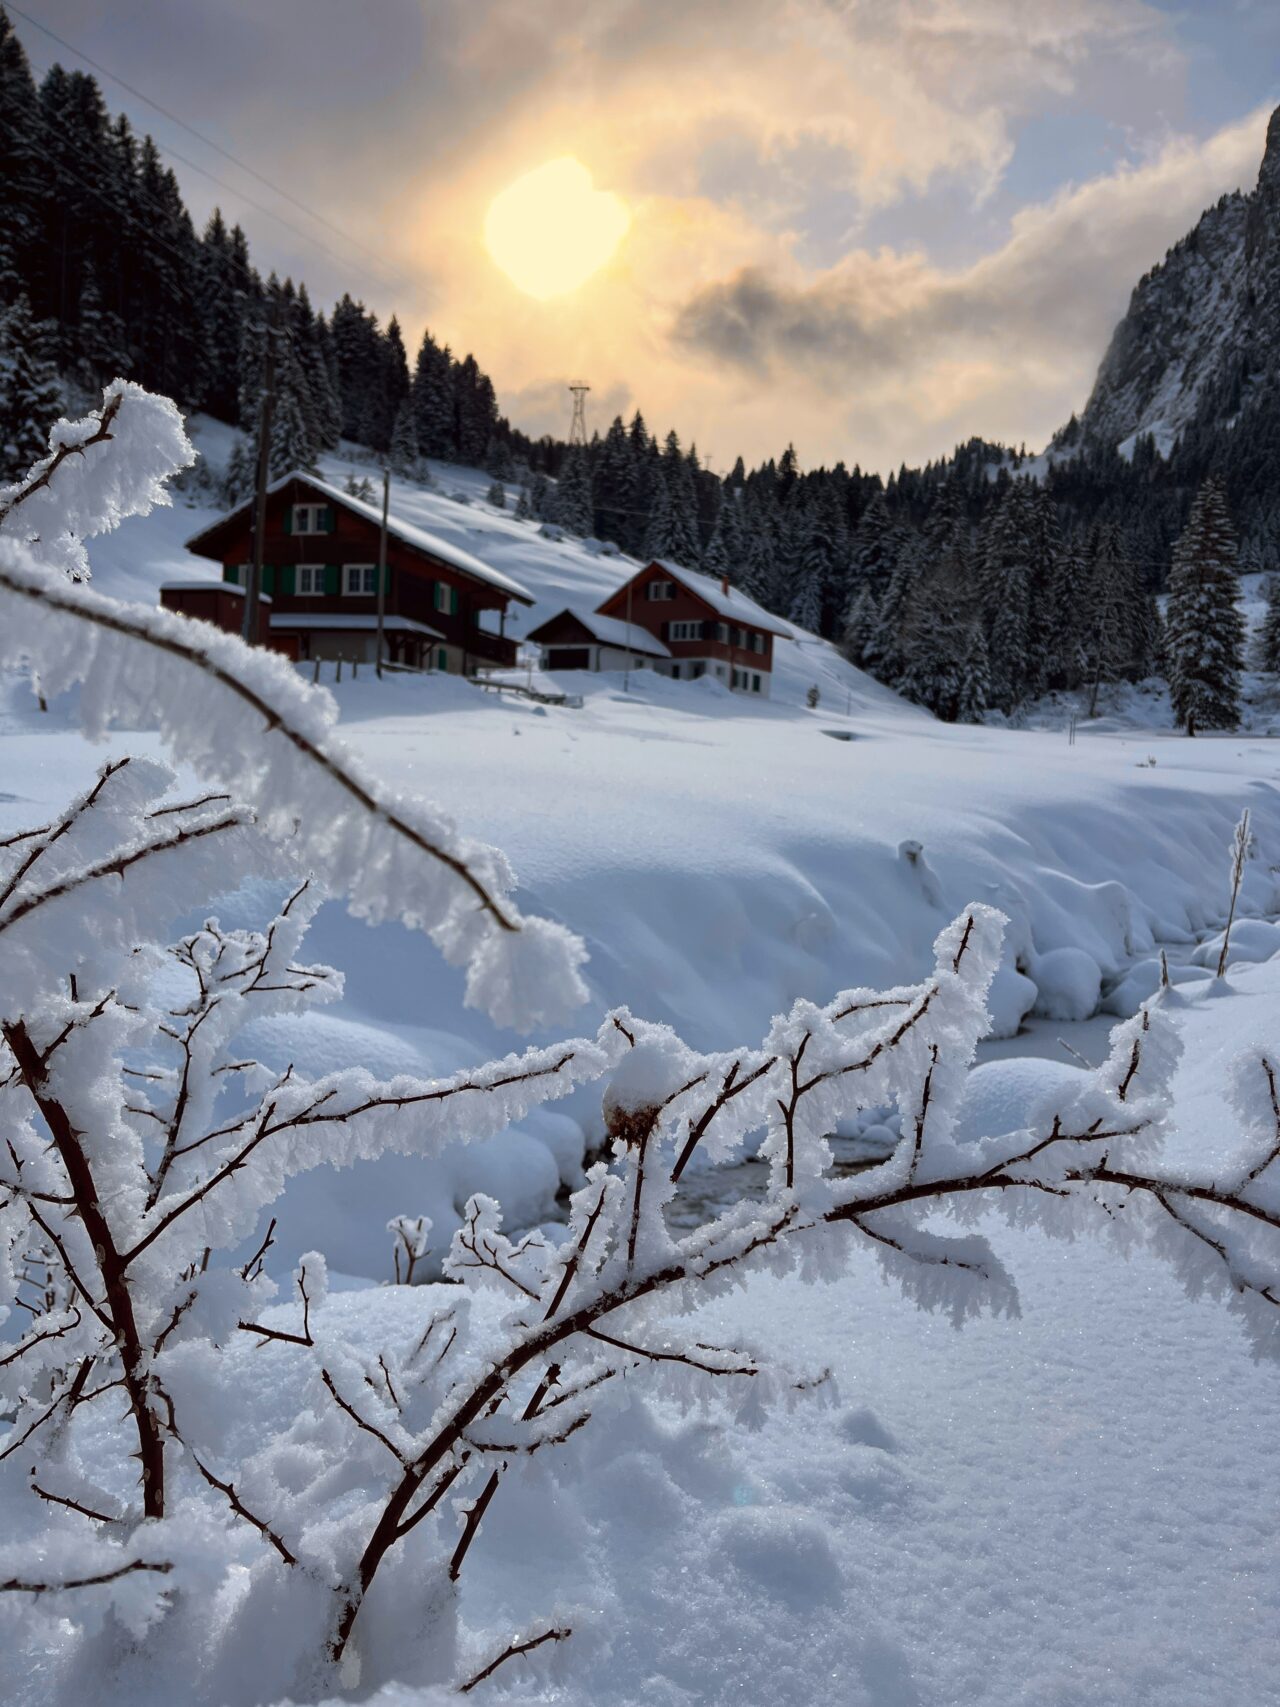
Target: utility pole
<point x="253" y="591"/>
<point x="626" y="674"/>
<point x="382" y="563"/>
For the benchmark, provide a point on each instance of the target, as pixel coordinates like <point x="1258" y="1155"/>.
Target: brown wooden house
<point x="444" y="608"/>
<point x="699" y="627"/>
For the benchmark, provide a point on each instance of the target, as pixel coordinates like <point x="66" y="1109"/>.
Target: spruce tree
<point x="574" y="509"/>
<point x="1269" y="633"/>
<point x="30" y="397"/>
<point x="861" y="623"/>
<point x="403" y="458"/>
<point x="22" y="187"/>
<point x="615" y="485"/>
<point x="1204" y="639"/>
<point x="973" y="683"/>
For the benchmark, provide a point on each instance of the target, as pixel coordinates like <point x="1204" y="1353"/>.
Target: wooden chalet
<point x="444" y="609"/>
<point x="673" y="620"/>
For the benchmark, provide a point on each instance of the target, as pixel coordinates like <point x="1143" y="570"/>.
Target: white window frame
<point x="684" y="631"/>
<point x="314" y="513"/>
<point x="660" y="590"/>
<point x="359" y="592"/>
<point x="450" y="607"/>
<point x="238" y="575"/>
<point x="755" y="642"/>
<point x="312" y="572"/>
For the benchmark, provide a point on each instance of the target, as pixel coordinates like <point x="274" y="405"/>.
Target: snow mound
<point x="1141" y="982"/>
<point x="1068" y="982"/>
<point x="1252" y="940"/>
<point x="1010" y="999"/>
<point x="1007" y="1096"/>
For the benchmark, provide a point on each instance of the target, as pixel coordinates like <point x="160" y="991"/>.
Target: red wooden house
<point x="444" y="609"/>
<point x="699" y="626"/>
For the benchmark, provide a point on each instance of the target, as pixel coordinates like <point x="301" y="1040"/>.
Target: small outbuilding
<point x="585" y="640"/>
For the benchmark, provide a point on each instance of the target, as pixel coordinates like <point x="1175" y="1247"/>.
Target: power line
<point x="243" y="166"/>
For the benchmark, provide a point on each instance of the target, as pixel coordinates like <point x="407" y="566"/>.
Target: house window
<point x="755" y="684"/>
<point x="755" y="642"/>
<point x="442" y="659"/>
<point x="446" y="598"/>
<point x="722" y="632"/>
<point x="360" y="580"/>
<point x="310" y="580"/>
<point x="236" y="574"/>
<point x="310" y="518"/>
<point x="684" y="631"/>
<point x="660" y="590"/>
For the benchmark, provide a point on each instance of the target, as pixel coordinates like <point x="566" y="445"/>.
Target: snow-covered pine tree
<point x="1204" y="638"/>
<point x="432" y="395"/>
<point x="574" y="509"/>
<point x="1004" y="576"/>
<point x="524" y="503"/>
<point x="861" y="625"/>
<point x="972" y="680"/>
<point x="875" y="546"/>
<point x="20" y="164"/>
<point x="100" y="337"/>
<point x="30" y="396"/>
<point x="718" y="558"/>
<point x="893" y="617"/>
<point x="672" y="532"/>
<point x="1269" y="632"/>
<point x="805" y="607"/>
<point x="615" y="485"/>
<point x="497" y="495"/>
<point x="403" y="457"/>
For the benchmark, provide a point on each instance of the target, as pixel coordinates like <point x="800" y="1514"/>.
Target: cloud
<point x="1011" y="340"/>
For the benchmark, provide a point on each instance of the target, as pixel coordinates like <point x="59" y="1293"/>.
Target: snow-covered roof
<point x="210" y="585"/>
<point x="612" y="631"/>
<point x="338" y="620"/>
<point x="405" y="532"/>
<point x="735" y="605"/>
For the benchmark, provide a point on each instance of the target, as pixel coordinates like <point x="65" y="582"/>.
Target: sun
<point x="552" y="229"/>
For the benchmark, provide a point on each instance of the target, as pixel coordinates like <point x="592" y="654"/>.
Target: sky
<point x="872" y="228"/>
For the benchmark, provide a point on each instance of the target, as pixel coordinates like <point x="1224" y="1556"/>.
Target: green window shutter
<point x="452" y="593"/>
<point x="332" y="578"/>
<point x="442" y="659"/>
<point x="330" y="520"/>
<point x="386" y="578"/>
<point x="268" y="578"/>
<point x="288" y="518"/>
<point x="230" y="573"/>
<point x="288" y="581"/>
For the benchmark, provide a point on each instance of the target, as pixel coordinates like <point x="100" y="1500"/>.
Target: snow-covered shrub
<point x="141" y="1154"/>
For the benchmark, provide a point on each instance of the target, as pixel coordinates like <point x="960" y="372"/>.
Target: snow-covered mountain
<point x="1202" y="331"/>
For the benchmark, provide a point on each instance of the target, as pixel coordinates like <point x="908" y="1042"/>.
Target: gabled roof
<point x="609" y="631"/>
<point x="417" y="538"/>
<point x="734" y="605"/>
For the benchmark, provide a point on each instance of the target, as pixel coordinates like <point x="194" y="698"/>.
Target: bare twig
<point x="511" y="1651"/>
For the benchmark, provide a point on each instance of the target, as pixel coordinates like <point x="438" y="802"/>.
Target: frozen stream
<point x="1069" y="1042"/>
